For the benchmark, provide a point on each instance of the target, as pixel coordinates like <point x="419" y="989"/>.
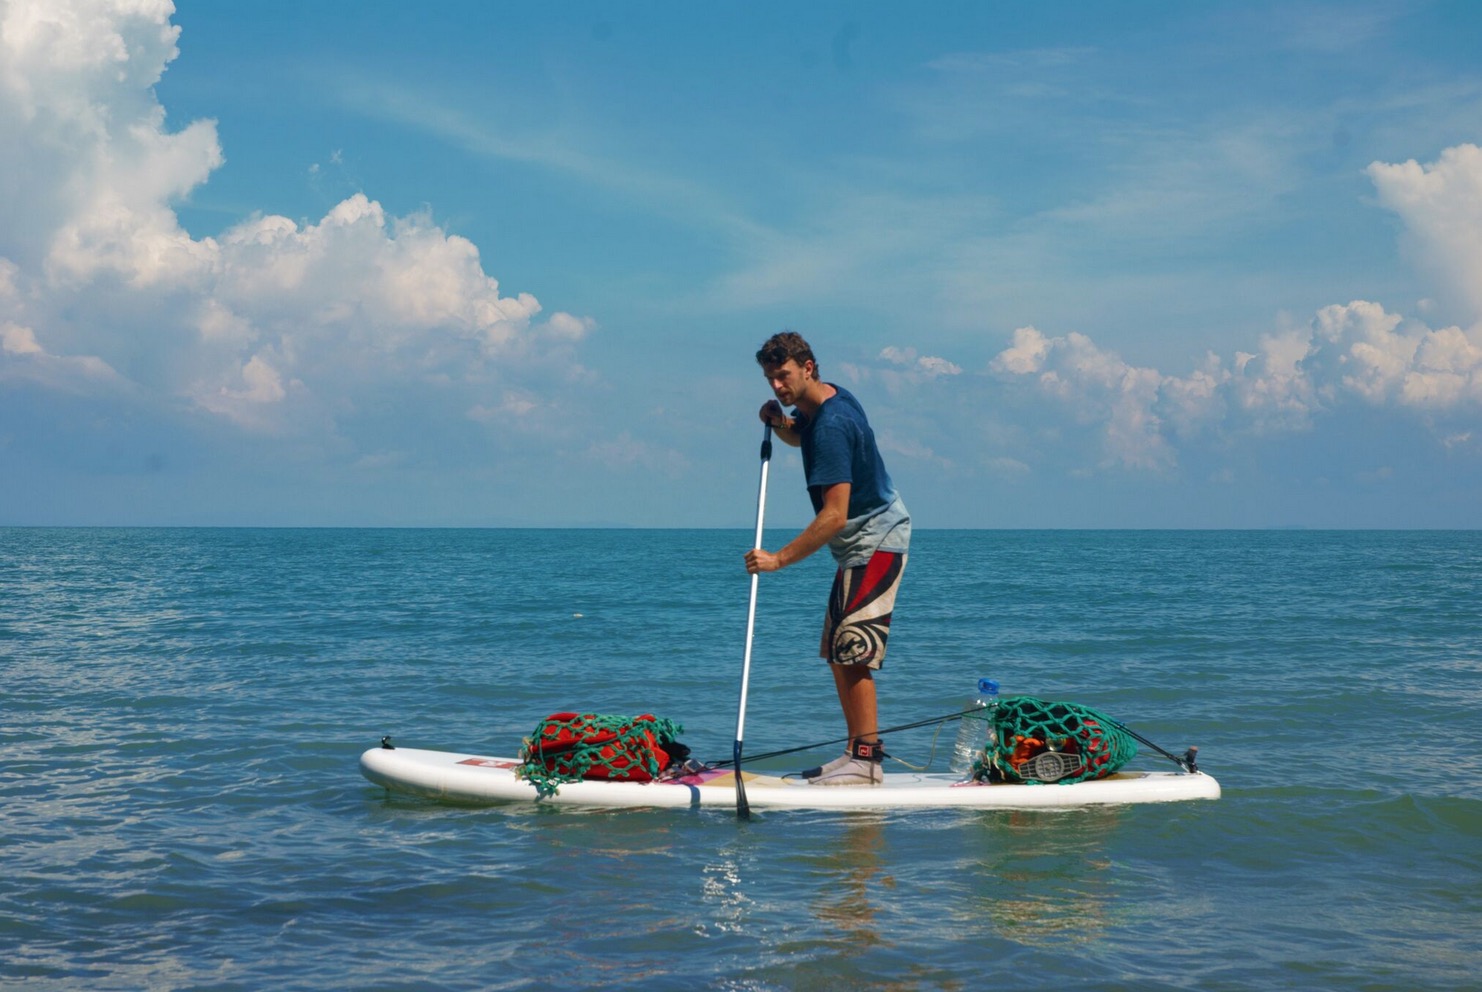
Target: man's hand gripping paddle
<point x="743" y="810"/>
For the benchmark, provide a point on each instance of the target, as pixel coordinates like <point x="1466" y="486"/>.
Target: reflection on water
<point x="1048" y="878"/>
<point x="850" y="878"/>
<point x="723" y="890"/>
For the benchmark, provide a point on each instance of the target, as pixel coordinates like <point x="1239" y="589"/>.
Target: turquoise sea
<point x="181" y="808"/>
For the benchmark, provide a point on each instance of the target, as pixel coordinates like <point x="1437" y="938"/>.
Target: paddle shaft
<point x="743" y="809"/>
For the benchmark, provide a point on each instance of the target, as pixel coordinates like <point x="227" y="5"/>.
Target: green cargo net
<point x="1041" y="741"/>
<point x="569" y="747"/>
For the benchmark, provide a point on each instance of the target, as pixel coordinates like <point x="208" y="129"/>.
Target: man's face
<point x="788" y="380"/>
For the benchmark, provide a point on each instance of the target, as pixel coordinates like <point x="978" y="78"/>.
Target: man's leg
<point x="856" y="687"/>
<point x="855" y="631"/>
<point x="861" y="762"/>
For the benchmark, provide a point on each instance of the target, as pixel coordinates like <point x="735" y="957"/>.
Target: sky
<point x="1145" y="264"/>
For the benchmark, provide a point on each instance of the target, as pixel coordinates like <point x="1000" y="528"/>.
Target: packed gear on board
<point x="569" y="747"/>
<point x="1040" y="741"/>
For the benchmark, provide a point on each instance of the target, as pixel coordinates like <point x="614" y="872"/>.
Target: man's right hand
<point x="772" y="413"/>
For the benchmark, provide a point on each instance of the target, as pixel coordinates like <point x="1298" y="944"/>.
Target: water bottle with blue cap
<point x="975" y="733"/>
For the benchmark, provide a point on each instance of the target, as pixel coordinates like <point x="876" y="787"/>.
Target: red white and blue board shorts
<point x="857" y="625"/>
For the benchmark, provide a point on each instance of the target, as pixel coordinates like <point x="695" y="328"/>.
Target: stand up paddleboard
<point x="477" y="780"/>
<point x="578" y="745"/>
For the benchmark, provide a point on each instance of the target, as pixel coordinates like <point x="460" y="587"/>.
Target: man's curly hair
<point x="782" y="346"/>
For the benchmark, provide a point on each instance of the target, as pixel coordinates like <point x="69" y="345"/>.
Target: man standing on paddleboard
<point x="866" y="527"/>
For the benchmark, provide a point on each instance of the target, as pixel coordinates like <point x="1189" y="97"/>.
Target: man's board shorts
<point x="857" y="624"/>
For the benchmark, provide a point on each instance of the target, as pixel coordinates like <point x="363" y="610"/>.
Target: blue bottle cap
<point x="988" y="686"/>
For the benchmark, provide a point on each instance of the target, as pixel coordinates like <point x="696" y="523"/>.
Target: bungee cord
<point x="1187" y="761"/>
<point x="842" y="740"/>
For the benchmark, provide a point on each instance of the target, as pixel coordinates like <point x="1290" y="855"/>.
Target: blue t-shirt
<point x="839" y="446"/>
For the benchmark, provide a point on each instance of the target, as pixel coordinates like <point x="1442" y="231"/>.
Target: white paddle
<point x="743" y="810"/>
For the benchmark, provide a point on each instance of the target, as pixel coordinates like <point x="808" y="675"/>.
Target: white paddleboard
<point x="475" y="779"/>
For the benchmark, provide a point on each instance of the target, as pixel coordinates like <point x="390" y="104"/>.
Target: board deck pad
<point x="479" y="780"/>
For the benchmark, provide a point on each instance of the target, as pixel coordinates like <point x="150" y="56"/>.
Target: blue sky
<point x="493" y="264"/>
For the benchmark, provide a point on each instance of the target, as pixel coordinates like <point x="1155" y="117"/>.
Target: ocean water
<point x="181" y="808"/>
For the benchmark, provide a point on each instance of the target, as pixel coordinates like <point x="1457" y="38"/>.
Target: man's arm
<point x="829" y="521"/>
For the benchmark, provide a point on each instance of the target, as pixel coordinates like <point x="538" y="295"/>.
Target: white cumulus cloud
<point x="18" y="340"/>
<point x="904" y="368"/>
<point x="1353" y="353"/>
<point x="1441" y="205"/>
<point x="1356" y="352"/>
<point x="273" y="323"/>
<point x="1099" y="387"/>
